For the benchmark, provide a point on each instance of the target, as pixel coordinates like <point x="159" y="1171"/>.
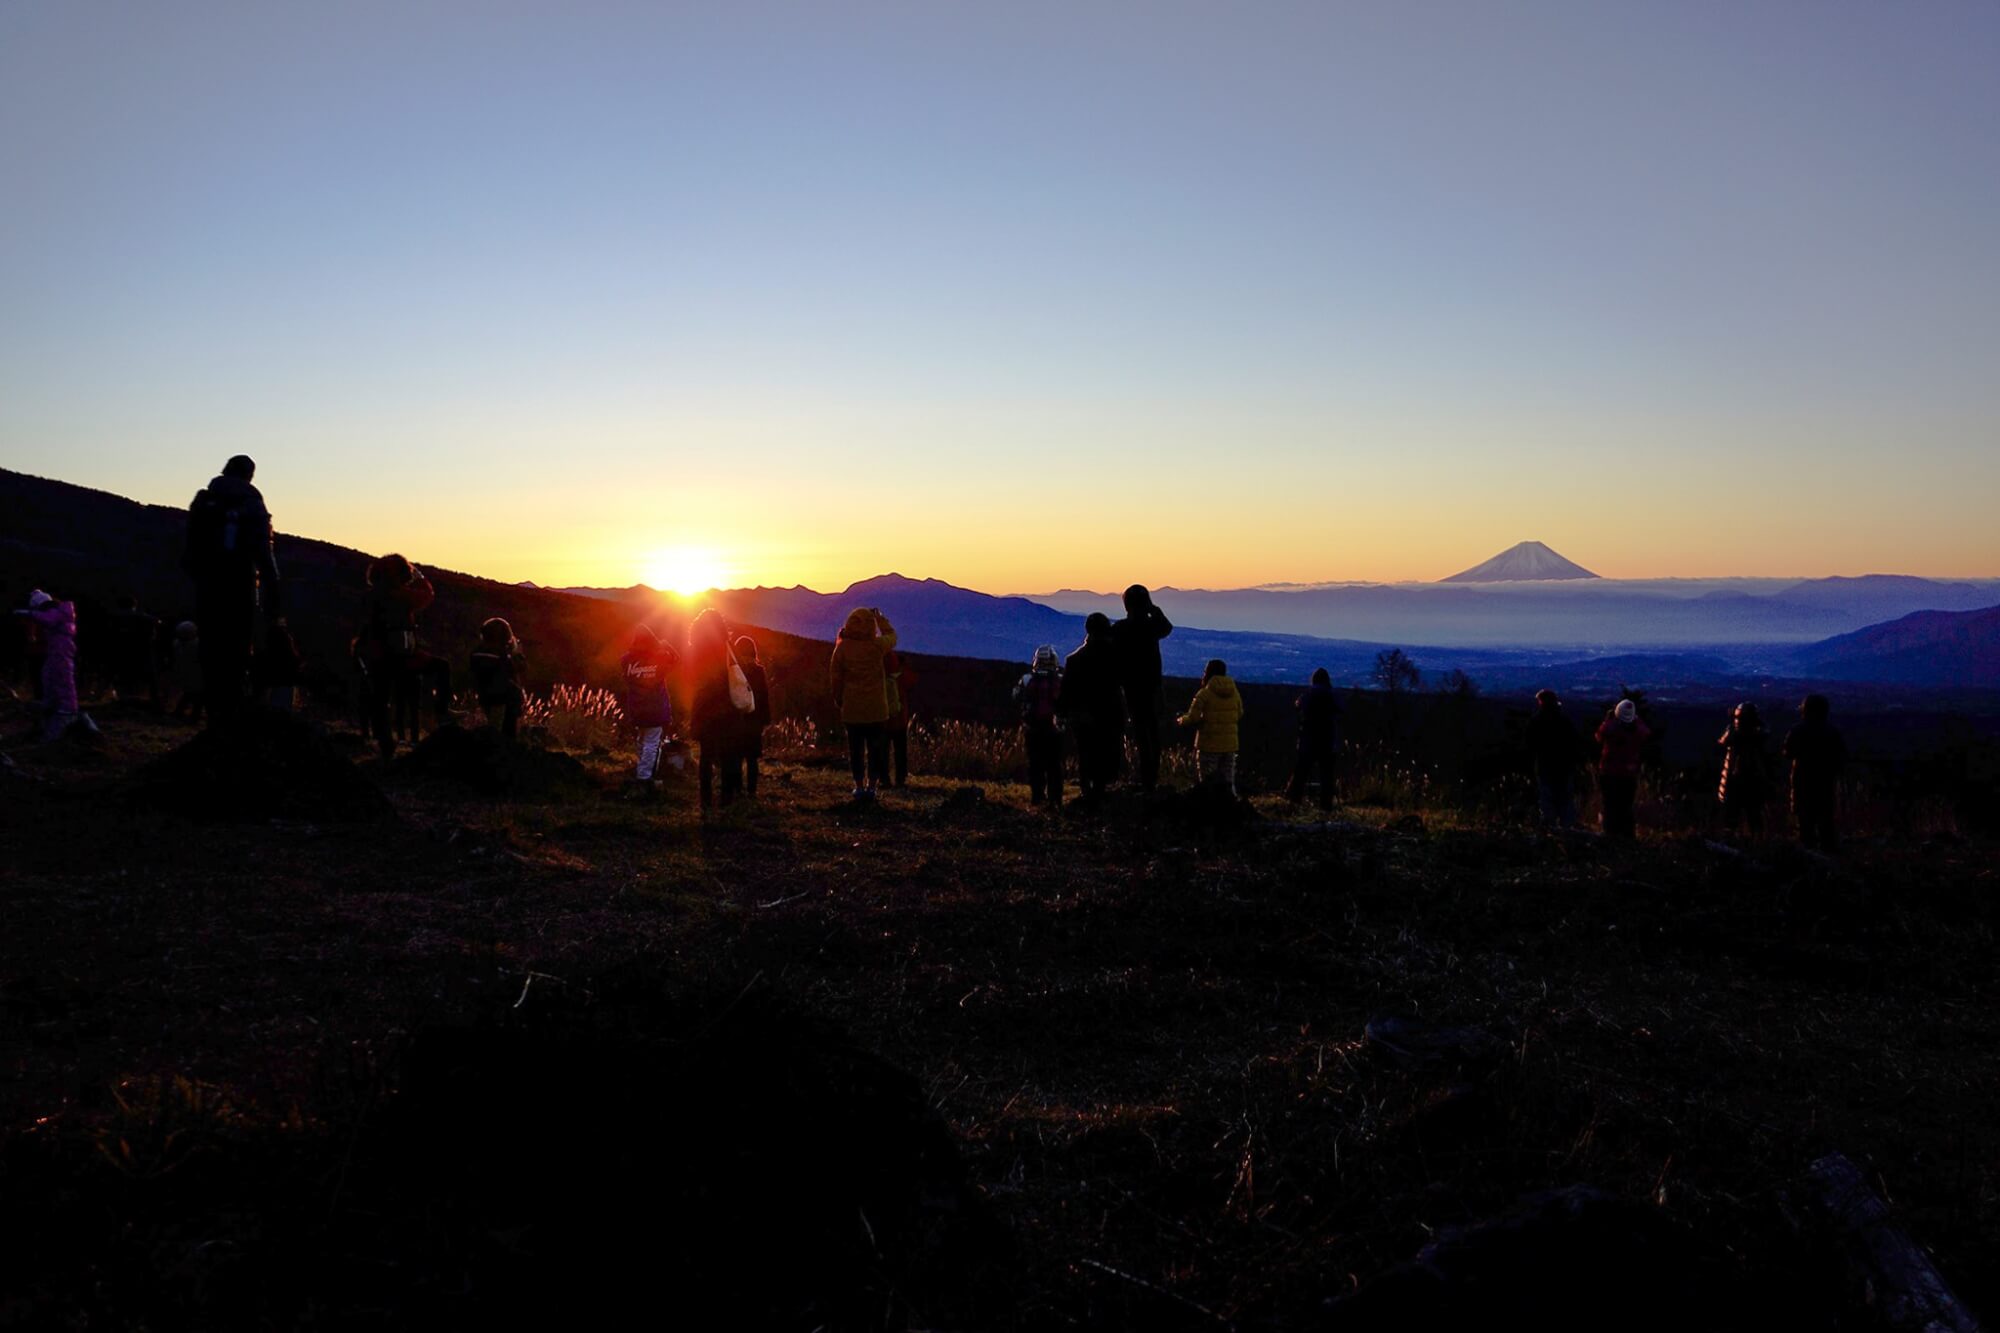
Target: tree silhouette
<point x="1395" y="672"/>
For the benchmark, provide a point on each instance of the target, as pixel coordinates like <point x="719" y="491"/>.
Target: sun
<point x="685" y="570"/>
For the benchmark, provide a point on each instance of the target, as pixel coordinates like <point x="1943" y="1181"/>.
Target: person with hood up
<point x="1319" y="740"/>
<point x="496" y="666"/>
<point x="1554" y="748"/>
<point x="229" y="555"/>
<point x="1817" y="753"/>
<point x="751" y="750"/>
<point x="1137" y="640"/>
<point x="1039" y="697"/>
<point x="187" y="671"/>
<point x="1093" y="704"/>
<point x="1621" y="739"/>
<point x="57" y="622"/>
<point x="860" y="683"/>
<point x="1745" y="784"/>
<point x="1215" y="713"/>
<point x="397" y="670"/>
<point x="648" y="710"/>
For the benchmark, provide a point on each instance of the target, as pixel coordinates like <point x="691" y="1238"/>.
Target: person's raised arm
<point x="1161" y="626"/>
<point x="885" y="633"/>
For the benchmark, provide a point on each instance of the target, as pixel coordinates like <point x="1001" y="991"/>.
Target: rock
<point x="258" y="766"/>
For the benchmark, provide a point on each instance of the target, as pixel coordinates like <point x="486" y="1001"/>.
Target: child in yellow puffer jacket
<point x="1215" y="713"/>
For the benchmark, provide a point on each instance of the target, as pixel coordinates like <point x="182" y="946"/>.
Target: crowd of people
<point x="1106" y="693"/>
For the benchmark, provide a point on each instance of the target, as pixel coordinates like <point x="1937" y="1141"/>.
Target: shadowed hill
<point x="1929" y="648"/>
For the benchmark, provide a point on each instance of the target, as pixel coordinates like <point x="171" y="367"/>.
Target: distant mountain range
<point x="1588" y="632"/>
<point x="1523" y="562"/>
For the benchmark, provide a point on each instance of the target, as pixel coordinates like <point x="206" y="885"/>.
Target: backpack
<point x="223" y="530"/>
<point x="1037" y="693"/>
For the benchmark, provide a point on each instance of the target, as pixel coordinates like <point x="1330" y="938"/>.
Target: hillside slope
<point x="1929" y="648"/>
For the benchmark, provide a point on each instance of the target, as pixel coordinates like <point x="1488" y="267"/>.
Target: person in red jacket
<point x="1620" y="738"/>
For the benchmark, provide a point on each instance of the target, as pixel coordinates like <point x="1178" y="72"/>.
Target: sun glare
<point x="685" y="570"/>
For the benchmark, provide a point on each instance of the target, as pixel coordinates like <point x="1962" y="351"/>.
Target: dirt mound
<point x="257" y="766"/>
<point x="627" y="1151"/>
<point x="484" y="760"/>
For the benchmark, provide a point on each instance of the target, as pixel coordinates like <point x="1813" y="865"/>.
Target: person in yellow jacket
<point x="860" y="684"/>
<point x="1215" y="713"/>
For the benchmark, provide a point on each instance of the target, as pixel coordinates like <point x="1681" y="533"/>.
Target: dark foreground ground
<point x="951" y="1064"/>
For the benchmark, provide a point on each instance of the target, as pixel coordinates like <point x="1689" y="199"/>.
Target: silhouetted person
<point x="1746" y="780"/>
<point x="714" y="717"/>
<point x="229" y="556"/>
<point x="1554" y="747"/>
<point x="1319" y="740"/>
<point x="57" y="622"/>
<point x="896" y="763"/>
<point x="34" y="652"/>
<point x="860" y="685"/>
<point x="649" y="711"/>
<point x="1216" y="712"/>
<point x="759" y="717"/>
<point x="1093" y="703"/>
<point x="1038" y="695"/>
<point x="278" y="669"/>
<point x="398" y="671"/>
<point x="135" y="651"/>
<point x="1137" y="639"/>
<point x="496" y="666"/>
<point x="187" y="671"/>
<point x="1621" y="738"/>
<point x="1817" y="753"/>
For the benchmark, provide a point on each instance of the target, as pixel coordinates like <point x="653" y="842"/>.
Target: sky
<point x="1021" y="296"/>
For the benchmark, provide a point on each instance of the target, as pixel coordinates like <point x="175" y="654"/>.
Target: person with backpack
<point x="496" y="666"/>
<point x="1817" y="753"/>
<point x="229" y="555"/>
<point x="712" y="706"/>
<point x="860" y="683"/>
<point x="57" y="622"/>
<point x="1136" y="639"/>
<point x="1038" y="695"/>
<point x="751" y="750"/>
<point x="1319" y="741"/>
<point x="1745" y="784"/>
<point x="397" y="671"/>
<point x="1216" y="713"/>
<point x="1554" y="749"/>
<point x="1093" y="704"/>
<point x="649" y="710"/>
<point x="1621" y="740"/>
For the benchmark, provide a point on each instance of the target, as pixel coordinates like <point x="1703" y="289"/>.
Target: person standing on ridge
<point x="1554" y="747"/>
<point x="714" y="717"/>
<point x="1216" y="713"/>
<point x="1319" y="741"/>
<point x="397" y="670"/>
<point x="1745" y="781"/>
<point x="496" y="676"/>
<point x="229" y="555"/>
<point x="1093" y="703"/>
<point x="57" y="621"/>
<point x="751" y="750"/>
<point x="1137" y="641"/>
<point x="860" y="684"/>
<point x="1039" y="697"/>
<point x="135" y="651"/>
<point x="1621" y="738"/>
<point x="896" y="770"/>
<point x="1817" y="753"/>
<point x="648" y="709"/>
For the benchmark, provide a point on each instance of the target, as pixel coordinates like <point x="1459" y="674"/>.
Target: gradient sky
<point x="1021" y="295"/>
